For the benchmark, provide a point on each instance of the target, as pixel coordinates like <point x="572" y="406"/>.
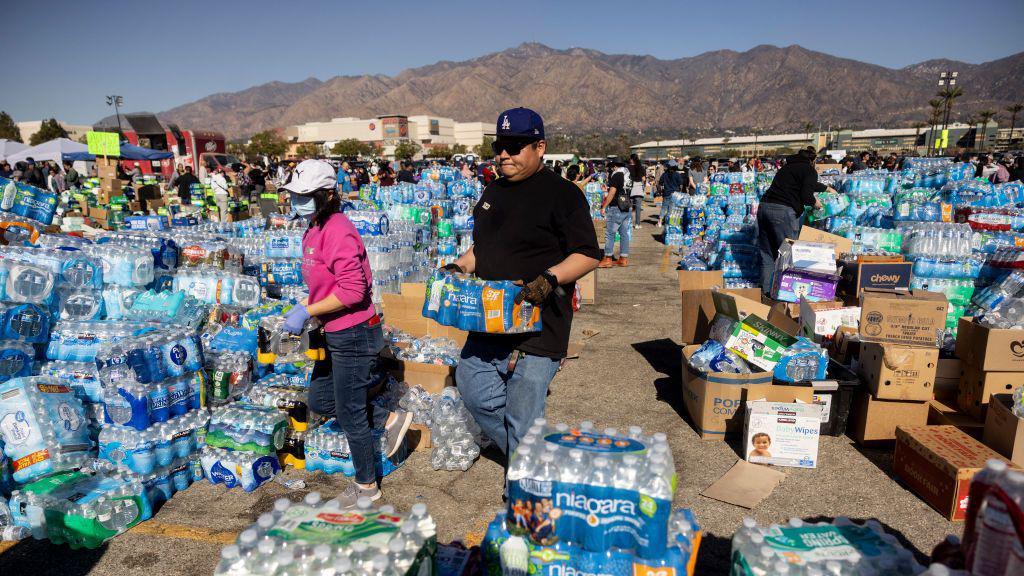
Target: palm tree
<point x="948" y="96"/>
<point x="936" y="117"/>
<point x="917" y="126"/>
<point x="984" y="116"/>
<point x="808" y="126"/>
<point x="1013" y="109"/>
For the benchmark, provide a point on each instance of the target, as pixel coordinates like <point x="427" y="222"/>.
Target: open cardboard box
<point x="1004" y="430"/>
<point x="405" y="312"/>
<point x="990" y="349"/>
<point x="715" y="401"/>
<point x="698" y="305"/>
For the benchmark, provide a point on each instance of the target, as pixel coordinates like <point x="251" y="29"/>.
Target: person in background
<point x="1002" y="172"/>
<point x="336" y="269"/>
<point x="72" y="179"/>
<point x="466" y="171"/>
<point x="778" y="215"/>
<point x="184" y="184"/>
<point x="5" y="169"/>
<point x="532" y="227"/>
<point x="860" y="162"/>
<point x="386" y="174"/>
<point x="1017" y="172"/>
<point x="638" y="176"/>
<point x="671" y="182"/>
<point x="178" y="171"/>
<point x="136" y="175"/>
<point x="574" y="174"/>
<point x="221" y="191"/>
<point x="54" y="181"/>
<point x="406" y="174"/>
<point x="616" y="209"/>
<point x="344" y="178"/>
<point x="258" y="178"/>
<point x="362" y="177"/>
<point x="32" y="175"/>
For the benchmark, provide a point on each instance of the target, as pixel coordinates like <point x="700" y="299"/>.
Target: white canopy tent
<point x="53" y="150"/>
<point x="9" y="147"/>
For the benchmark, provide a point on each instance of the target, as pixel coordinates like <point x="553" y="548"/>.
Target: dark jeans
<point x="775" y="223"/>
<point x="340" y="386"/>
<point x="638" y="207"/>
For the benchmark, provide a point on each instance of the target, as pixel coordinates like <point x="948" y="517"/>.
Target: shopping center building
<point x="388" y="130"/>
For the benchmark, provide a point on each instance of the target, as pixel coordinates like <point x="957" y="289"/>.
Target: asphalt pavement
<point x="627" y="374"/>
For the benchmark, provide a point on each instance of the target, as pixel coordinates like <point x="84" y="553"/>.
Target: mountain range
<point x="580" y="90"/>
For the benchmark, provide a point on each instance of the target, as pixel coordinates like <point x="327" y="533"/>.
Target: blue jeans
<point x="617" y="221"/>
<point x="504" y="402"/>
<point x="638" y="208"/>
<point x="340" y="386"/>
<point x="775" y="223"/>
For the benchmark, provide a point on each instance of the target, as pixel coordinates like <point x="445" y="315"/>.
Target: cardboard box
<point x="820" y="320"/>
<point x="431" y="377"/>
<point x="977" y="386"/>
<point x="759" y="342"/>
<point x="895" y="372"/>
<point x="698" y="304"/>
<point x="105" y="172"/>
<point x="715" y="402"/>
<point x="418" y="438"/>
<point x="917" y="318"/>
<point x="807" y="256"/>
<point x="782" y="433"/>
<point x="795" y="285"/>
<point x="405" y="311"/>
<point x="946" y="414"/>
<point x="737" y="305"/>
<point x="1004" y="430"/>
<point x="947" y="379"/>
<point x="873" y="420"/>
<point x="840" y="244"/>
<point x="868" y="275"/>
<point x="845" y="346"/>
<point x="990" y="349"/>
<point x="588" y="288"/>
<point x="937" y="463"/>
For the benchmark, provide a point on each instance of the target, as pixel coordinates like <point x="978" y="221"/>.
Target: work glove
<point x="536" y="291"/>
<point x="295" y="319"/>
<point x="452" y="267"/>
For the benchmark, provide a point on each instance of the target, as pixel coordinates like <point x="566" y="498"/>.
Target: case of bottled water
<point x="247" y="428"/>
<point x="82" y="509"/>
<point x="995" y="510"/>
<point x="276" y="391"/>
<point x="315" y="536"/>
<point x="804" y="548"/>
<point x="232" y="468"/>
<point x="475" y="305"/>
<point x="44" y="427"/>
<point x="608" y="490"/>
<point x="327" y="450"/>
<point x="229" y="375"/>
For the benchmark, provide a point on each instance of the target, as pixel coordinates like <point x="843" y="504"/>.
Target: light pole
<point x="116" y="101"/>
<point x="947" y="80"/>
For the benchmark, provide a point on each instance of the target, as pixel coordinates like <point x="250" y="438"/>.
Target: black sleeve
<point x="809" y="186"/>
<point x="578" y="229"/>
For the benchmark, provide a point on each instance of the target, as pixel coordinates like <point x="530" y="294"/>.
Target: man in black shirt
<point x="184" y="184"/>
<point x="406" y="174"/>
<point x="530" y="226"/>
<point x="778" y="214"/>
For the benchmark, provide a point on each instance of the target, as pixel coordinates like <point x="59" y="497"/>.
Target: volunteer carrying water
<point x="337" y="273"/>
<point x="533" y="226"/>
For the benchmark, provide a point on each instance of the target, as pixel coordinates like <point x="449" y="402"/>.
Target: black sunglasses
<point x="513" y="147"/>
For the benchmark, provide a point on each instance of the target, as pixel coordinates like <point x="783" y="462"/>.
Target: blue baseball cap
<point x="520" y="124"/>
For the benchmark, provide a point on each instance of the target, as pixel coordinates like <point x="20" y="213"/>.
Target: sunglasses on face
<point x="513" y="147"/>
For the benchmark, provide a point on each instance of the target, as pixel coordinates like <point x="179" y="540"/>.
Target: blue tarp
<point x="128" y="152"/>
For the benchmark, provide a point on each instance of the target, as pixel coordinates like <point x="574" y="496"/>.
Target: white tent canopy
<point x="9" y="147"/>
<point x="53" y="150"/>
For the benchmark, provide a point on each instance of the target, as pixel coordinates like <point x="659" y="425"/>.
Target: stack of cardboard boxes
<point x="898" y="361"/>
<point x="110" y="186"/>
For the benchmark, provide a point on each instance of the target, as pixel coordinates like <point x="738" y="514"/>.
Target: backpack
<point x="622" y="200"/>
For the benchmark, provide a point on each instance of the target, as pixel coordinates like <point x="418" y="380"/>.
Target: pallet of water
<point x="316" y="536"/>
<point x="800" y="548"/>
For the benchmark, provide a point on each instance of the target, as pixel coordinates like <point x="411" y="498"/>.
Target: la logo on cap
<point x="505" y="125"/>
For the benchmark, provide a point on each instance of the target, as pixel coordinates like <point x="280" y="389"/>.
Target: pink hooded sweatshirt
<point x="334" y="262"/>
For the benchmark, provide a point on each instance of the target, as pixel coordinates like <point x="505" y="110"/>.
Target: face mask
<point x="304" y="206"/>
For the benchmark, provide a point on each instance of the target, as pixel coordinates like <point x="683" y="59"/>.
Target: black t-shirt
<point x="184" y="184"/>
<point x="257" y="177"/>
<point x="523" y="228"/>
<point x="794" y="185"/>
<point x="406" y="176"/>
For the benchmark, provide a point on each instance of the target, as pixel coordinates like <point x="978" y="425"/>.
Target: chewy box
<point x="782" y="433"/>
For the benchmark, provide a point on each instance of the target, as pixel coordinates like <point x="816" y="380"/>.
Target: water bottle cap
<point x="285" y="556"/>
<point x="266" y="547"/>
<point x="248" y="536"/>
<point x="322" y="551"/>
<point x="380" y="562"/>
<point x="282" y="504"/>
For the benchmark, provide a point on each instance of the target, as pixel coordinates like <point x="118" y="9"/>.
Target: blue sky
<point x="58" y="61"/>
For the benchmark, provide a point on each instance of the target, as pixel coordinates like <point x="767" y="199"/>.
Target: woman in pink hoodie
<point x="336" y="270"/>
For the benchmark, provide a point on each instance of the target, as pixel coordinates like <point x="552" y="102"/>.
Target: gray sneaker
<point x="396" y="432"/>
<point x="353" y="493"/>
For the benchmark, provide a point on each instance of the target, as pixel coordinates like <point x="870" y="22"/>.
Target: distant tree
<point x="985" y="116"/>
<point x="236" y="148"/>
<point x="1013" y="109"/>
<point x="49" y="130"/>
<point x="8" y="129"/>
<point x="309" y="150"/>
<point x="443" y="151"/>
<point x="406" y="149"/>
<point x="484" y="149"/>
<point x="351" y="147"/>
<point x="267" y="143"/>
<point x="459" y="149"/>
<point x="949" y="96"/>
